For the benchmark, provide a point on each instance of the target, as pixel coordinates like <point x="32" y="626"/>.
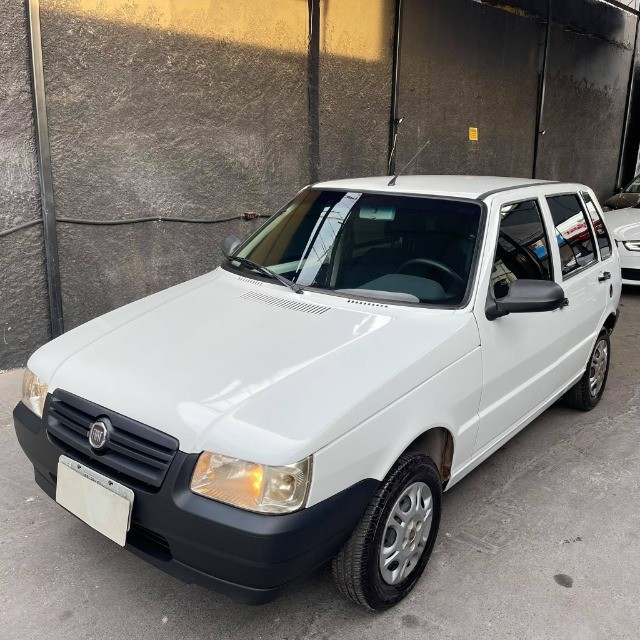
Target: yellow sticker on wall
<point x="473" y="134"/>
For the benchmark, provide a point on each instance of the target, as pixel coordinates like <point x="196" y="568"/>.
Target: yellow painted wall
<point x="356" y="28"/>
<point x="281" y="25"/>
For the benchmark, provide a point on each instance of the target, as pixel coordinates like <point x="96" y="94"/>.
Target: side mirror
<point x="527" y="296"/>
<point x="230" y="245"/>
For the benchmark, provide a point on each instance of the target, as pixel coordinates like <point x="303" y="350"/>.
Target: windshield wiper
<point x="267" y="272"/>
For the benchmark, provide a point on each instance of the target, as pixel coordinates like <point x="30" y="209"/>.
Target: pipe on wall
<point x="395" y="119"/>
<point x="44" y="171"/>
<point x="313" y="88"/>
<point x="542" y="88"/>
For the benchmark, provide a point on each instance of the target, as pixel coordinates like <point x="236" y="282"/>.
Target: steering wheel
<point x="443" y="268"/>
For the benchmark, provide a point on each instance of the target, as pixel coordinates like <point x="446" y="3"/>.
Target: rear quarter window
<point x="604" y="242"/>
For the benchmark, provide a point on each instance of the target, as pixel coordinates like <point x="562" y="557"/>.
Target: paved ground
<point x="542" y="541"/>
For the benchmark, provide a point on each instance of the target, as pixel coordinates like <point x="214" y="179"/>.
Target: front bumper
<point x="630" y="265"/>
<point x="631" y="276"/>
<point x="248" y="556"/>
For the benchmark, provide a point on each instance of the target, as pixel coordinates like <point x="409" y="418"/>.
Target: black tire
<point x="356" y="567"/>
<point x="580" y="395"/>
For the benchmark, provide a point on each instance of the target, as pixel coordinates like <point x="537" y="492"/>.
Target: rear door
<point x="583" y="276"/>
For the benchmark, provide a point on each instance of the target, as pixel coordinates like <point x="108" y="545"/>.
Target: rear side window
<point x="523" y="247"/>
<point x="604" y="242"/>
<point x="575" y="240"/>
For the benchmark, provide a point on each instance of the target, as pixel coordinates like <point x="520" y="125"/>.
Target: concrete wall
<point x="24" y="321"/>
<point x="590" y="55"/>
<point x="153" y="112"/>
<point x="468" y="64"/>
<point x="210" y="108"/>
<point x="356" y="54"/>
<point x="464" y="64"/>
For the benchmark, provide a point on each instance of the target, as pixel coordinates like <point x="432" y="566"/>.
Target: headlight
<point x="34" y="392"/>
<point x="251" y="486"/>
<point x="632" y="246"/>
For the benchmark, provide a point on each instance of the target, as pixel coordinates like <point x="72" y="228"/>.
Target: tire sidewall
<point x="386" y="595"/>
<point x="595" y="399"/>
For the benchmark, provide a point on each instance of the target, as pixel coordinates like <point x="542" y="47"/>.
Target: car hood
<point x="251" y="369"/>
<point x="624" y="224"/>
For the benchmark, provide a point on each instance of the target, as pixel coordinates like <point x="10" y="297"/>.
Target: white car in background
<point x="624" y="226"/>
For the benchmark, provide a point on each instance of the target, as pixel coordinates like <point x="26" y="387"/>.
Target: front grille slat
<point x="78" y="417"/>
<point x="70" y="423"/>
<point x="133" y="451"/>
<point x="140" y="447"/>
<point x="158" y="464"/>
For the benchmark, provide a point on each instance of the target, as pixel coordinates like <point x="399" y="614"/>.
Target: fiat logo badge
<point x="98" y="434"/>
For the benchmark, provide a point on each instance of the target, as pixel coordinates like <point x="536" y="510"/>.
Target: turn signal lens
<point x="252" y="486"/>
<point x="34" y="392"/>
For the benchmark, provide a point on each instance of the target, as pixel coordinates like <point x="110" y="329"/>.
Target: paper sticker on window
<point x="377" y="213"/>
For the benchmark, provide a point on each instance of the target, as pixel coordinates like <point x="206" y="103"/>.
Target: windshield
<point x="634" y="187"/>
<point x="402" y="248"/>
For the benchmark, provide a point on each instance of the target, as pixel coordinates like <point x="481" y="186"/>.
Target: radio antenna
<point x="392" y="182"/>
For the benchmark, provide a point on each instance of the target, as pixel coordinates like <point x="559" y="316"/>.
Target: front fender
<point x="449" y="399"/>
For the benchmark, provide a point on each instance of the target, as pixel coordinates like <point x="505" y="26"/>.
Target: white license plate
<point x="99" y="501"/>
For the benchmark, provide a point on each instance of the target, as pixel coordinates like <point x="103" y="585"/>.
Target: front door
<point x="520" y="350"/>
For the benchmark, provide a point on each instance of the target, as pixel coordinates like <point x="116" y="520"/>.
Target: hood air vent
<point x="292" y="305"/>
<point x="250" y="281"/>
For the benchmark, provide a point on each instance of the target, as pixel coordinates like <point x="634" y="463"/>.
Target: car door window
<point x="604" y="242"/>
<point x="523" y="247"/>
<point x="573" y="233"/>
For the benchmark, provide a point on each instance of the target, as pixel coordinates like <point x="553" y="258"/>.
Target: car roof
<point x="472" y="187"/>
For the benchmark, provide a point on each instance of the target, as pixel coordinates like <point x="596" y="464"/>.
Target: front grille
<point x="149" y="541"/>
<point x="134" y="450"/>
<point x="631" y="274"/>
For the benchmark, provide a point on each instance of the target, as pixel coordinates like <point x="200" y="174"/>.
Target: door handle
<point x="604" y="277"/>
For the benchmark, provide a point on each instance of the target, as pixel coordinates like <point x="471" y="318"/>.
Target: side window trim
<point x="564" y="277"/>
<point x="596" y="204"/>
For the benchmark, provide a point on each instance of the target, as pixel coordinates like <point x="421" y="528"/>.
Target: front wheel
<point x="586" y="393"/>
<point x="387" y="553"/>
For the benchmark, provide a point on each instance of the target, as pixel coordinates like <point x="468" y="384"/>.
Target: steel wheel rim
<point x="598" y="367"/>
<point x="406" y="533"/>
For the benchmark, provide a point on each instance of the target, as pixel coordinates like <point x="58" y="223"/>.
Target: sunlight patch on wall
<point x="357" y="28"/>
<point x="280" y="25"/>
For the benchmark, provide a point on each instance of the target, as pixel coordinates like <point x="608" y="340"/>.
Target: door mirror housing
<point x="230" y="245"/>
<point x="527" y="296"/>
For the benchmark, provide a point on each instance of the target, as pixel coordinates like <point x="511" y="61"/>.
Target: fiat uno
<point x="312" y="398"/>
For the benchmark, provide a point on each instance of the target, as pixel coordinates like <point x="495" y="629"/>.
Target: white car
<point x="311" y="399"/>
<point x="624" y="225"/>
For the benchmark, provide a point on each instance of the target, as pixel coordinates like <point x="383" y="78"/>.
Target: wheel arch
<point x="610" y="322"/>
<point x="438" y="443"/>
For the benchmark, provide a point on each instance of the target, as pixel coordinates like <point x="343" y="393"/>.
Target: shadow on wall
<point x="163" y="108"/>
